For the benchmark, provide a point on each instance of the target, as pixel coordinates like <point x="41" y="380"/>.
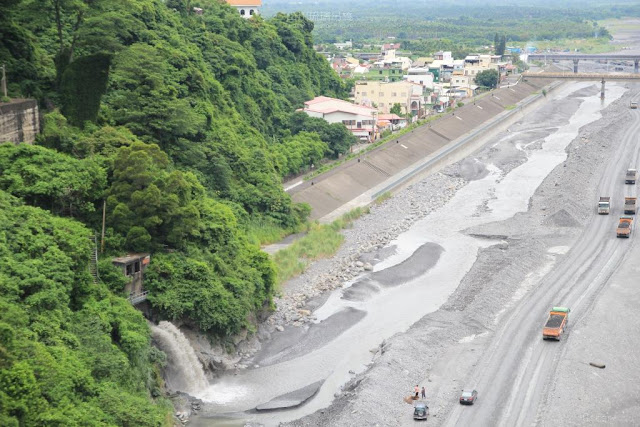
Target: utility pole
<point x="104" y="215"/>
<point x="3" y="82"/>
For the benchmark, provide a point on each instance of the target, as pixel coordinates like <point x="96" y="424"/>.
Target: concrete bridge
<point x="581" y="76"/>
<point x="577" y="57"/>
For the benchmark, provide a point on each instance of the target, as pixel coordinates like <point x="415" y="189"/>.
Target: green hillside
<point x="185" y="125"/>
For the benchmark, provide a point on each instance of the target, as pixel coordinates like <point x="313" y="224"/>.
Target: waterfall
<point x="183" y="371"/>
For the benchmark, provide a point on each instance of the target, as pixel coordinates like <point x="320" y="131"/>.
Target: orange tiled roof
<point x="245" y="2"/>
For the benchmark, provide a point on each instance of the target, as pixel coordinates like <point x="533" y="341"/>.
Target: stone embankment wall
<point x="19" y="121"/>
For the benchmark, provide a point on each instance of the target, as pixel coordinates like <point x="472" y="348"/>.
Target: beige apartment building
<point x="384" y="95"/>
<point x="474" y="64"/>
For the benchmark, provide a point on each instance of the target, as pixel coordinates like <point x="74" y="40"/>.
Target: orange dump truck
<point x="556" y="323"/>
<point x="624" y="226"/>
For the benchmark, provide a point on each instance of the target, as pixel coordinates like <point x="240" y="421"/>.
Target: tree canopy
<point x="487" y="78"/>
<point x="71" y="353"/>
<point x="183" y="126"/>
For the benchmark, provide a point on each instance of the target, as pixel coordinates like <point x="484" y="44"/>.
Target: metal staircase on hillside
<point x="93" y="263"/>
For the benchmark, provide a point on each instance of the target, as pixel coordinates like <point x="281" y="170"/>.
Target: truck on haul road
<point x="631" y="176"/>
<point x="556" y="323"/>
<point x="630" y="205"/>
<point x="624" y="226"/>
<point x="604" y="206"/>
<point x="633" y="105"/>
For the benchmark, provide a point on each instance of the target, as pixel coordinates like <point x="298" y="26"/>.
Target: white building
<point x="359" y="119"/>
<point x="361" y="69"/>
<point x="421" y="76"/>
<point x="246" y="8"/>
<point x="392" y="60"/>
<point x="458" y="80"/>
<point x="343" y="46"/>
<point x="443" y="56"/>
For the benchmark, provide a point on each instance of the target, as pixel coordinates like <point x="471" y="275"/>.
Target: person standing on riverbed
<point x="424" y="393"/>
<point x="417" y="390"/>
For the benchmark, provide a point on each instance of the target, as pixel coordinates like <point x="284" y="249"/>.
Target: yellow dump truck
<point x="556" y="323"/>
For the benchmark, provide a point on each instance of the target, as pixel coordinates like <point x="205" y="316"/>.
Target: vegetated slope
<point x="71" y="352"/>
<point x="184" y="124"/>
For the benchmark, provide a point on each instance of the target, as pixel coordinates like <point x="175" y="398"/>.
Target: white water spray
<point x="183" y="371"/>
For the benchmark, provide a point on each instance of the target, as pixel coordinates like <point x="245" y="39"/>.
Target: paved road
<point x="516" y="371"/>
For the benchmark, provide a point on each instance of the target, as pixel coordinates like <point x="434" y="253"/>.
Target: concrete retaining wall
<point x="19" y="121"/>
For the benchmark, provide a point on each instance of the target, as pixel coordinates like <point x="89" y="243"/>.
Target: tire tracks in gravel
<point x="530" y="367"/>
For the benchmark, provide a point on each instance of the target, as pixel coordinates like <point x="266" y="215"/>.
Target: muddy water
<point x="429" y="262"/>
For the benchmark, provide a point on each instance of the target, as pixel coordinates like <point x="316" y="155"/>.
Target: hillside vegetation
<point x="460" y="27"/>
<point x="185" y="125"/>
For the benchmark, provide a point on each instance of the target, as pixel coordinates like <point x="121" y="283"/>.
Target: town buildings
<point x="385" y="79"/>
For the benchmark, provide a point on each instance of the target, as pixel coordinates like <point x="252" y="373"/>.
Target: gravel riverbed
<point x="528" y="244"/>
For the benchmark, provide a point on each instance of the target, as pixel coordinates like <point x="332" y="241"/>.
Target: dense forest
<point x="457" y="26"/>
<point x="185" y="125"/>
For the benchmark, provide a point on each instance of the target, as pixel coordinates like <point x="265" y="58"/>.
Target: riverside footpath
<point x="361" y="180"/>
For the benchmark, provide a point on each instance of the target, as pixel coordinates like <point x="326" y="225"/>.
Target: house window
<point x="128" y="270"/>
<point x="251" y="12"/>
<point x="364" y="93"/>
<point x="380" y="72"/>
<point x="382" y="104"/>
<point x="136" y="267"/>
<point x="381" y="94"/>
<point x="394" y="94"/>
<point x="359" y="125"/>
<point x="242" y="12"/>
<point x="403" y="94"/>
<point x="348" y="122"/>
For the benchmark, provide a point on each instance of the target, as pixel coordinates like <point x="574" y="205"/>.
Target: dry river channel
<point x="458" y="299"/>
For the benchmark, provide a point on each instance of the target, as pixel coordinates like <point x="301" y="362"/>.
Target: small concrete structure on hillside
<point x="246" y="8"/>
<point x="133" y="266"/>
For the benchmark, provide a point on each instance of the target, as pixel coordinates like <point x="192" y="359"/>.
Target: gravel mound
<point x="561" y="218"/>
